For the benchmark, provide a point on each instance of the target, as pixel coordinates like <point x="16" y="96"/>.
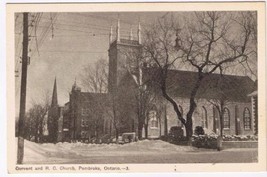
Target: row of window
<point x="226" y="118"/>
<point x="152" y="115"/>
<point x="246" y="118"/>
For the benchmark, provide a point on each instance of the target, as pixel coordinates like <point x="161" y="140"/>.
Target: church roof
<point x="213" y="86"/>
<point x="91" y="97"/>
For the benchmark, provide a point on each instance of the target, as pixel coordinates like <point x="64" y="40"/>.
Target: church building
<point x="101" y="116"/>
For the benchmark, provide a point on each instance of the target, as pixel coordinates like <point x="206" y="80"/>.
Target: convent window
<point x="152" y="115"/>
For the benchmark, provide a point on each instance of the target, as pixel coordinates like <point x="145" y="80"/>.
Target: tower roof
<point x="54" y="96"/>
<point x="75" y="86"/>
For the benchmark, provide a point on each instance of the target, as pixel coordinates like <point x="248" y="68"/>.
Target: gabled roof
<point x="213" y="86"/>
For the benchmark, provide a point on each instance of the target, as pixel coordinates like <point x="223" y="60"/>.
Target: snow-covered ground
<point x="61" y="152"/>
<point x="146" y="151"/>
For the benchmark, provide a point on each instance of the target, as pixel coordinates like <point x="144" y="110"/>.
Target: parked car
<point x="129" y="137"/>
<point x="120" y="140"/>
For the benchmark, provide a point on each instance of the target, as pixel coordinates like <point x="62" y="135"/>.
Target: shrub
<point x="199" y="130"/>
<point x="205" y="141"/>
<point x="176" y="134"/>
<point x="164" y="138"/>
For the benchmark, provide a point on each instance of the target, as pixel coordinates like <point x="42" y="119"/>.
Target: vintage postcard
<point x="136" y="87"/>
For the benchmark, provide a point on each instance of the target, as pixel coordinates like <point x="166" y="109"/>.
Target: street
<point x="146" y="151"/>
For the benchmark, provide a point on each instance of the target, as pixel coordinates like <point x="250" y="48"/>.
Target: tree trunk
<point x="146" y="131"/>
<point x="116" y="133"/>
<point x="193" y="105"/>
<point x="36" y="130"/>
<point x="140" y="130"/>
<point x="165" y="122"/>
<point x="188" y="122"/>
<point x="41" y="134"/>
<point x="189" y="128"/>
<point x="35" y="138"/>
<point x="221" y="124"/>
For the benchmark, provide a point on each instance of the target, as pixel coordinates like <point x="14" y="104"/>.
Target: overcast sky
<point x="66" y="43"/>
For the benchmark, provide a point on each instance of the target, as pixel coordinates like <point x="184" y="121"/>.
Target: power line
<point x="44" y="34"/>
<point x="82" y="35"/>
<point x="108" y="19"/>
<point x="34" y="26"/>
<point x="17" y="45"/>
<point x="89" y="32"/>
<point x="105" y="29"/>
<point x="35" y="32"/>
<point x="67" y="51"/>
<point x="79" y="23"/>
<point x="83" y="27"/>
<point x="86" y="25"/>
<point x="17" y="68"/>
<point x="82" y="31"/>
<point x="47" y="31"/>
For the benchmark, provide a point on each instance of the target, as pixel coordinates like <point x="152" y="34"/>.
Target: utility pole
<point x="20" y="152"/>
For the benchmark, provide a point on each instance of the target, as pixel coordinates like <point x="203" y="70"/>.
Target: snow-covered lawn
<point x="63" y="151"/>
<point x="146" y="151"/>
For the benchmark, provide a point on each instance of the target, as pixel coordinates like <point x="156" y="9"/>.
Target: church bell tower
<point x="123" y="54"/>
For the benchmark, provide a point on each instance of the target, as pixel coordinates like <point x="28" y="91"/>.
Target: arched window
<point x="214" y="110"/>
<point x="152" y="116"/>
<point x="247" y="119"/>
<point x="204" y="117"/>
<point x="226" y="118"/>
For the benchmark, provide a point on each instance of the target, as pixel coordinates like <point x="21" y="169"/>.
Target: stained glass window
<point x="247" y="119"/>
<point x="226" y="118"/>
<point x="204" y="117"/>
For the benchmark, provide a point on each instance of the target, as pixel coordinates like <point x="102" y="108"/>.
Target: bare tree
<point x="206" y="43"/>
<point x="220" y="101"/>
<point x="35" y="117"/>
<point x="94" y="77"/>
<point x="107" y="107"/>
<point x="143" y="96"/>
